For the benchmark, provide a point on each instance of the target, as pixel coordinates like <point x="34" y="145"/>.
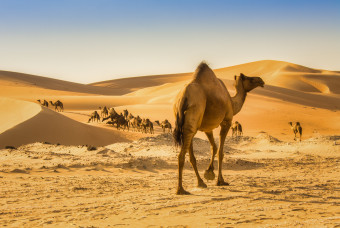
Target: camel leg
<point x="209" y="173"/>
<point x="200" y="182"/>
<point x="187" y="139"/>
<point x="223" y="134"/>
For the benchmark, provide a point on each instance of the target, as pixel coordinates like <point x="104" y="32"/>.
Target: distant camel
<point x="166" y="124"/>
<point x="44" y="103"/>
<point x="58" y="104"/>
<point x="203" y="105"/>
<point x="147" y="124"/>
<point x="126" y="114"/>
<point x="94" y="116"/>
<point x="136" y="123"/>
<point x="296" y="129"/>
<point x="104" y="112"/>
<point x="120" y="122"/>
<point x="236" y="129"/>
<point x="112" y="115"/>
<point x="130" y="116"/>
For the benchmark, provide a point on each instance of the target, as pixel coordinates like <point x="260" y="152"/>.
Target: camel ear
<point x="242" y="76"/>
<point x="235" y="77"/>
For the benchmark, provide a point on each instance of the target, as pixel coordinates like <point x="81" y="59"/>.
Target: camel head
<point x="249" y="83"/>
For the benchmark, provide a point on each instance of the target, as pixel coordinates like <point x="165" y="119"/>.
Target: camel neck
<point x="238" y="99"/>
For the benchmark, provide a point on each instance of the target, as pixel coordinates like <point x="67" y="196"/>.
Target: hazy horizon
<point x="89" y="41"/>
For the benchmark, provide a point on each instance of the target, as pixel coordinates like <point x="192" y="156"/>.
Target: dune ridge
<point x="16" y="111"/>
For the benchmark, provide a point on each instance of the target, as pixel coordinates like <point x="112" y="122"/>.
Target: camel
<point x="104" y="112"/>
<point x="165" y="124"/>
<point x="120" y="122"/>
<point x="44" y="103"/>
<point x="147" y="124"/>
<point x="130" y="116"/>
<point x="126" y="114"/>
<point x="236" y="129"/>
<point x="112" y="115"/>
<point x="296" y="129"/>
<point x="58" y="104"/>
<point x="94" y="116"/>
<point x="203" y="105"/>
<point x="136" y="123"/>
<point x="112" y="110"/>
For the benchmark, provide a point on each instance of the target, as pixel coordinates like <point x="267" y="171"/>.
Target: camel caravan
<point x="58" y="105"/>
<point x="125" y="120"/>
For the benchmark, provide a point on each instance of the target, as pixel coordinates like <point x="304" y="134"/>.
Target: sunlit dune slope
<point x="276" y="73"/>
<point x="29" y="123"/>
<point x="15" y="111"/>
<point x="135" y="83"/>
<point x="287" y="75"/>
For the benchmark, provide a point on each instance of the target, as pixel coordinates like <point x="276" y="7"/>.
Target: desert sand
<point x="49" y="177"/>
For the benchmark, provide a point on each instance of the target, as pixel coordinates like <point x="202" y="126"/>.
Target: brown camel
<point x="58" y="105"/>
<point x="104" y="112"/>
<point x="236" y="129"/>
<point x="147" y="124"/>
<point x="44" y="103"/>
<point x="126" y="114"/>
<point x="120" y="122"/>
<point x="166" y="124"/>
<point x="94" y="116"/>
<point x="203" y="105"/>
<point x="136" y="123"/>
<point x="296" y="129"/>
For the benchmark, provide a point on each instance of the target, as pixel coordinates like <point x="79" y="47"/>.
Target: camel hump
<point x="204" y="73"/>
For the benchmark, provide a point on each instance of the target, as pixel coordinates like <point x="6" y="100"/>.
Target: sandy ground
<point x="50" y="177"/>
<point x="272" y="183"/>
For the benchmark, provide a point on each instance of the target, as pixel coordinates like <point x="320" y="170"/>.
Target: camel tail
<point x="178" y="131"/>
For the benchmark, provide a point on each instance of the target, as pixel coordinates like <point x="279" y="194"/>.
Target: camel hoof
<point x="201" y="184"/>
<point x="181" y="191"/>
<point x="222" y="183"/>
<point x="209" y="174"/>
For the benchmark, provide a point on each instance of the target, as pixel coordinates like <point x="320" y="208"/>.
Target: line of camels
<point x="126" y="120"/>
<point x="58" y="105"/>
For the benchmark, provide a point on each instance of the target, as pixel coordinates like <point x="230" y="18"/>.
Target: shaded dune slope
<point x="8" y="78"/>
<point x="52" y="127"/>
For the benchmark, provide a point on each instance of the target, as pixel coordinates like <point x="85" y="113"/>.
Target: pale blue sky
<point x="87" y="41"/>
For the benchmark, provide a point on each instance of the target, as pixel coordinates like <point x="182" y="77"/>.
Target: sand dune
<point x="136" y="83"/>
<point x="49" y="126"/>
<point x="13" y="80"/>
<point x="15" y="111"/>
<point x="292" y="93"/>
<point x="275" y="73"/>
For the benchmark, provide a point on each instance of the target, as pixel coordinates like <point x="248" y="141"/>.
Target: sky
<point x="94" y="40"/>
